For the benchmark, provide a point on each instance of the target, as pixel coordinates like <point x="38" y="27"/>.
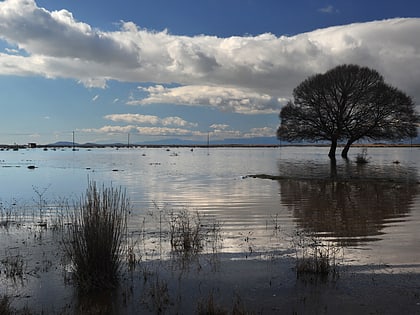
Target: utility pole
<point x="74" y="149"/>
<point x="208" y="143"/>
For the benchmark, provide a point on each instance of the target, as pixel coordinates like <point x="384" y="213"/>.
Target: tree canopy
<point x="346" y="104"/>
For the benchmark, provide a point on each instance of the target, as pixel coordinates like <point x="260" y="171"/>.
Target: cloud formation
<point x="144" y="131"/>
<point x="247" y="74"/>
<point x="244" y="101"/>
<point x="329" y="9"/>
<point x="150" y="120"/>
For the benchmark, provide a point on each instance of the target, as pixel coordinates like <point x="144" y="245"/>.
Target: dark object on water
<point x="31" y="167"/>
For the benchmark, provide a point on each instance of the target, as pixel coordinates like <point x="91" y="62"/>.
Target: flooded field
<point x="370" y="211"/>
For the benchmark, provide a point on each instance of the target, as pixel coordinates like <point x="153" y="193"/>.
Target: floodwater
<point x="373" y="209"/>
<point x="370" y="210"/>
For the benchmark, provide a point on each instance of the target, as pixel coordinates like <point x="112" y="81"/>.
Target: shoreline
<point x="100" y="146"/>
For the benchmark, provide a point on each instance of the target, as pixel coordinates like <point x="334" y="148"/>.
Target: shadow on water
<point x="348" y="202"/>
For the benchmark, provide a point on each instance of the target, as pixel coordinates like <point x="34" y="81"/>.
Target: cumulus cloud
<point x="260" y="132"/>
<point x="143" y="131"/>
<point x="150" y="119"/>
<point x="219" y="126"/>
<point x="245" y="101"/>
<point x="244" y="74"/>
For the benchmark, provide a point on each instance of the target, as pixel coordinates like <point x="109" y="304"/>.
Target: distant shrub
<point x="94" y="242"/>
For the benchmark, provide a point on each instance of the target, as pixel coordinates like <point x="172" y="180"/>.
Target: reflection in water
<point x="349" y="202"/>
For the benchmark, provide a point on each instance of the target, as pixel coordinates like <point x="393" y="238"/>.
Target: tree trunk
<point x="333" y="169"/>
<point x="333" y="147"/>
<point x="344" y="153"/>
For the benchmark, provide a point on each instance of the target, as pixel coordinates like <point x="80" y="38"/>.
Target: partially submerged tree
<point x="347" y="103"/>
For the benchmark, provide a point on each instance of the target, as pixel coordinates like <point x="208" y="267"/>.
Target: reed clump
<point x="187" y="233"/>
<point x="362" y="158"/>
<point x="315" y="256"/>
<point x="94" y="240"/>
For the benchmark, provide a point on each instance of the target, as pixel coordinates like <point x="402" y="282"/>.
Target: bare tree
<point x="346" y="104"/>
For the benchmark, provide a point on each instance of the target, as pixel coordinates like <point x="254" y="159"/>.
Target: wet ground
<point x="251" y="282"/>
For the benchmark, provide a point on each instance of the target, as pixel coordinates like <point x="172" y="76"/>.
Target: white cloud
<point x="219" y="131"/>
<point x="144" y="131"/>
<point x="245" y="101"/>
<point x="260" y="132"/>
<point x="150" y="119"/>
<point x="253" y="74"/>
<point x="219" y="126"/>
<point x="11" y="51"/>
<point x="328" y="9"/>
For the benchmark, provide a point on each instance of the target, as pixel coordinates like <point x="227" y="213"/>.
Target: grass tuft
<point x="14" y="267"/>
<point x="94" y="242"/>
<point x="314" y="256"/>
<point x="186" y="233"/>
<point x="362" y="158"/>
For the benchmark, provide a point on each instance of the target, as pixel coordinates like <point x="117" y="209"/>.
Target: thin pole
<point x="73" y="142"/>
<point x="208" y="143"/>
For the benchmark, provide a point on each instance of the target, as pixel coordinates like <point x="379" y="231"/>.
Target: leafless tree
<point x="346" y="104"/>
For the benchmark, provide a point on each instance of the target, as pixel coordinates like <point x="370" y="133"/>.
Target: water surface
<point x="372" y="209"/>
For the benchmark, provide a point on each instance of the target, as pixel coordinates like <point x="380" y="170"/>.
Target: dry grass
<point x="94" y="242"/>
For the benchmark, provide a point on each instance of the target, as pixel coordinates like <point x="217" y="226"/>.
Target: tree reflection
<point x="349" y="207"/>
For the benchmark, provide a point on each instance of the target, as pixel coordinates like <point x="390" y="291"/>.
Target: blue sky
<point x="183" y="69"/>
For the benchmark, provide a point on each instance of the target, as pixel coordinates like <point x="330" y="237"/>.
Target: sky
<point x="156" y="69"/>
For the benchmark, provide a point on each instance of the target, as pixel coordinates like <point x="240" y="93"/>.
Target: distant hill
<point x="233" y="141"/>
<point x="63" y="144"/>
<point x="177" y="141"/>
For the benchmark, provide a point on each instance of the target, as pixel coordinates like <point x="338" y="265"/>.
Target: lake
<point x="372" y="210"/>
<point x="253" y="204"/>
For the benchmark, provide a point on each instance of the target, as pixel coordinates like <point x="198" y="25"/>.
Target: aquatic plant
<point x="362" y="158"/>
<point x="209" y="307"/>
<point x="158" y="298"/>
<point x="94" y="240"/>
<point x="314" y="255"/>
<point x="186" y="232"/>
<point x="14" y="266"/>
<point x="5" y="305"/>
